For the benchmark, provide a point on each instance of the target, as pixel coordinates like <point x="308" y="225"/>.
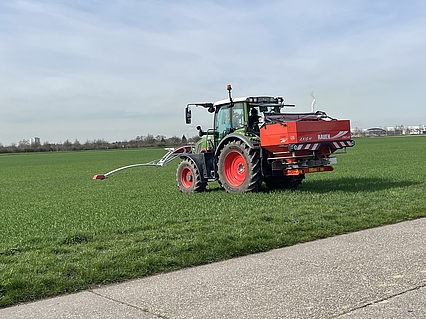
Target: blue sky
<point x="115" y="70"/>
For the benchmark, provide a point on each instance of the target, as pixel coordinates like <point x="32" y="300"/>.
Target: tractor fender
<point x="204" y="163"/>
<point x="232" y="137"/>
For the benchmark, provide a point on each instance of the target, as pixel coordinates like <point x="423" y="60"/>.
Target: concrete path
<point x="376" y="273"/>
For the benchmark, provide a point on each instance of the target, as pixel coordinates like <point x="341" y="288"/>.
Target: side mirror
<point x="200" y="131"/>
<point x="188" y="115"/>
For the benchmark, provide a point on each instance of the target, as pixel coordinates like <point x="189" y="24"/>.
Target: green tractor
<point x="230" y="152"/>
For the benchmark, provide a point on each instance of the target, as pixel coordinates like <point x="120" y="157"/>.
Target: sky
<point x="115" y="70"/>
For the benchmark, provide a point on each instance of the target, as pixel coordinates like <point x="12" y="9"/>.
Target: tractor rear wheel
<point x="188" y="177"/>
<point x="284" y="181"/>
<point x="239" y="168"/>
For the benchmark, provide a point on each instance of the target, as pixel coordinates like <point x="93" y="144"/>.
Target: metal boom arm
<point x="171" y="154"/>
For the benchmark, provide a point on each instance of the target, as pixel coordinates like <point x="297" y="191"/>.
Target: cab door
<point x="229" y="118"/>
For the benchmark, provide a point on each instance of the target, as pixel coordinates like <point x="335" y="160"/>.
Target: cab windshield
<point x="228" y="118"/>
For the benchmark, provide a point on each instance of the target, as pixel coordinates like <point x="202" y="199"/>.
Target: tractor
<point x="253" y="141"/>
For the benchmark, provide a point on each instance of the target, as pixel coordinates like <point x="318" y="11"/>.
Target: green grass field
<point x="61" y="231"/>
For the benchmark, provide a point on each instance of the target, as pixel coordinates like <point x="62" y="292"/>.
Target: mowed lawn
<point x="61" y="231"/>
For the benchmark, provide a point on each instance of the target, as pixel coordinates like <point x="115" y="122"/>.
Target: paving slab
<point x="408" y="305"/>
<point x="85" y="304"/>
<point x="375" y="273"/>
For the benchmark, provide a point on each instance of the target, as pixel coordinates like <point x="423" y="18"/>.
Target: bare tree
<point x="23" y="144"/>
<point x="76" y="146"/>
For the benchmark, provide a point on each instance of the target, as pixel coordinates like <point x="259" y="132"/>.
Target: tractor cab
<point x="229" y="118"/>
<point x="243" y="115"/>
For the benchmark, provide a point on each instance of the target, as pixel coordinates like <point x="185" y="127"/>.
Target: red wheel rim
<point x="235" y="168"/>
<point x="186" y="177"/>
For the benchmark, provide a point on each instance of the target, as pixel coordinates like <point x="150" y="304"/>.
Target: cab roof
<point x="252" y="99"/>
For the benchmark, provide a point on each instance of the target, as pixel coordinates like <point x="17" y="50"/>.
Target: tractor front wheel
<point x="239" y="168"/>
<point x="188" y="177"/>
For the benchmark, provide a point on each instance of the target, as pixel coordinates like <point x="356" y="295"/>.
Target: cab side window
<point x="229" y="118"/>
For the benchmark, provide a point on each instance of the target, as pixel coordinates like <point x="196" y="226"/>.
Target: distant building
<point x="376" y="131"/>
<point x="35" y="141"/>
<point x="391" y="130"/>
<point x="415" y="130"/>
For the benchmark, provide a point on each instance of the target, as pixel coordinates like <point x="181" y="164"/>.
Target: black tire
<point x="188" y="177"/>
<point x="239" y="168"/>
<point x="281" y="182"/>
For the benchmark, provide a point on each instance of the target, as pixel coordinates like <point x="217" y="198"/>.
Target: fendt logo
<point x="323" y="136"/>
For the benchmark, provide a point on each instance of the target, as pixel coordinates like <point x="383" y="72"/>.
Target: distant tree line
<point x="99" y="144"/>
